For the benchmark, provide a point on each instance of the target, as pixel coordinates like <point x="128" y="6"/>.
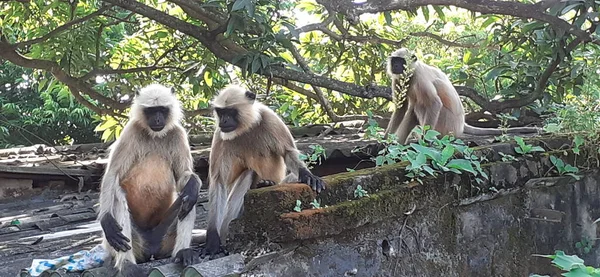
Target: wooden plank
<point x="48" y="170"/>
<point x="35" y="159"/>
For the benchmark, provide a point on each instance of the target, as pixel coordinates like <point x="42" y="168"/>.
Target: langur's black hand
<point x="186" y="257"/>
<point x="313" y="181"/>
<point x="189" y="197"/>
<point x="112" y="233"/>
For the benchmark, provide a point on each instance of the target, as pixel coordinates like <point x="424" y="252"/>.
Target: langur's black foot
<point x="186" y="257"/>
<point x="213" y="249"/>
<point x="133" y="270"/>
<point x="315" y="182"/>
<point x="265" y="183"/>
<point x="219" y="253"/>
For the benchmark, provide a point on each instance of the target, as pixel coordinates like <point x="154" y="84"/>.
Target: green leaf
<point x="578" y="141"/>
<point x="567" y="262"/>
<point x="570" y="168"/>
<point x="537" y="149"/>
<point x="255" y="64"/>
<point x="379" y="160"/>
<point x="447" y="153"/>
<point x="15" y="222"/>
<point x="440" y="12"/>
<point x="388" y="17"/>
<point x="239" y="4"/>
<point x="557" y="162"/>
<point x="467" y="57"/>
<point x="431" y="135"/>
<point x="419" y="161"/>
<point x="569" y="8"/>
<point x="431" y="152"/>
<point x="462" y="164"/>
<point x="490" y="20"/>
<point x="208" y="78"/>
<point x="425" y="11"/>
<point x="494" y="73"/>
<point x="298" y="207"/>
<point x="162" y="34"/>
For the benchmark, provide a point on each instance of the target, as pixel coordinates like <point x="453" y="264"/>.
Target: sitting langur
<point x="251" y="146"/>
<point x="432" y="100"/>
<point x="149" y="191"/>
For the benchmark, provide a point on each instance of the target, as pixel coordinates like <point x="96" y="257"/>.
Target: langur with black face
<point x="432" y="100"/>
<point x="251" y="146"/>
<point x="149" y="190"/>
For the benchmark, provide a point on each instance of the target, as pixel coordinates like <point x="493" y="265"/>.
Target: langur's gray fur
<point x="433" y="101"/>
<point x="260" y="148"/>
<point x="164" y="157"/>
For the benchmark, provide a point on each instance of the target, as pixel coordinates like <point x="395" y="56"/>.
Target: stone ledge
<point x="269" y="214"/>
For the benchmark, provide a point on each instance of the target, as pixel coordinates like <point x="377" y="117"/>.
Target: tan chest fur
<point x="150" y="190"/>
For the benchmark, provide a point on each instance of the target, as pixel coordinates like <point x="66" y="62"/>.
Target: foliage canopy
<point x="305" y="58"/>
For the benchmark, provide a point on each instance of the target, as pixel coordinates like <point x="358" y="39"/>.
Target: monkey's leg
<point x="396" y="119"/>
<point x="217" y="197"/>
<point x="235" y="201"/>
<point x="408" y="124"/>
<point x="428" y="114"/>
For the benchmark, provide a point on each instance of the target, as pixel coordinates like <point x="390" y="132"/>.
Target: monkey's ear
<point x="173" y="90"/>
<point x="250" y="95"/>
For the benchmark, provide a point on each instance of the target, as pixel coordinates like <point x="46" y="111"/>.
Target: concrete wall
<point x="453" y="227"/>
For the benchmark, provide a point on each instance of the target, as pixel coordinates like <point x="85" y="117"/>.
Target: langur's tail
<point x="494" y="131"/>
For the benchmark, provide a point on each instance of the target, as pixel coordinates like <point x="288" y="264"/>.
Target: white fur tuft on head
<point x="234" y="96"/>
<point x="156" y="95"/>
<point x="402" y="53"/>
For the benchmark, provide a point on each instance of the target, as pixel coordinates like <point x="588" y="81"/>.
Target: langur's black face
<point x="228" y="119"/>
<point x="398" y="64"/>
<point x="157" y="117"/>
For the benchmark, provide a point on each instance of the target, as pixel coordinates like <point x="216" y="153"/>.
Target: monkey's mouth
<point x="157" y="128"/>
<point x="227" y="129"/>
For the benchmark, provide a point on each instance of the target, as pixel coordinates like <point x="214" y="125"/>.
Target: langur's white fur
<point x="433" y="101"/>
<point x="233" y="96"/>
<point x="261" y="148"/>
<point x="138" y="141"/>
<point x="156" y="95"/>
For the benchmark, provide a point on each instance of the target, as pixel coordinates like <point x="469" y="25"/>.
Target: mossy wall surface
<point x="447" y="226"/>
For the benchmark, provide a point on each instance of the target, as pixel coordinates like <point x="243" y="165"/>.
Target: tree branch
<point x="109" y="71"/>
<point x="230" y="52"/>
<point x="63" y="27"/>
<point x="8" y="52"/>
<point x="443" y="41"/>
<point x="511" y="8"/>
<point x="320" y="95"/>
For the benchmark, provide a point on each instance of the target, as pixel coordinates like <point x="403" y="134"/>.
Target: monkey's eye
<point x="250" y="95"/>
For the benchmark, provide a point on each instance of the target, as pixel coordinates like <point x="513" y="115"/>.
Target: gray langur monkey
<point x="149" y="191"/>
<point x="251" y="146"/>
<point x="432" y="100"/>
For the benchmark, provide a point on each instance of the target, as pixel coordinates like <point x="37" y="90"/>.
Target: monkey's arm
<point x="397" y="115"/>
<point x="188" y="183"/>
<point x="294" y="164"/>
